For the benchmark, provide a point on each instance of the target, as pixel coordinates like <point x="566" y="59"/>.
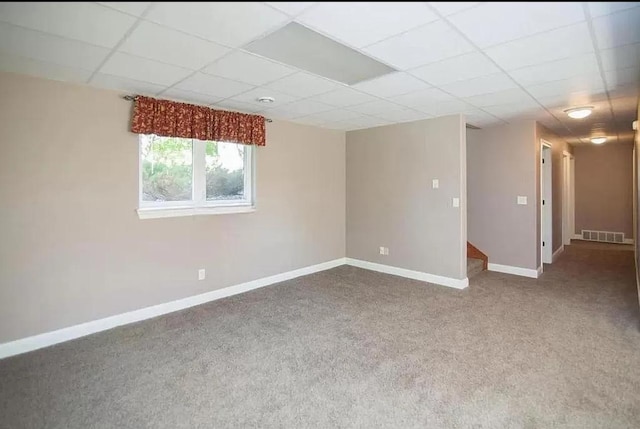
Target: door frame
<point x="568" y="198"/>
<point x="546" y="204"/>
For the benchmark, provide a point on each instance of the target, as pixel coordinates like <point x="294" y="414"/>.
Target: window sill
<point x="156" y="213"/>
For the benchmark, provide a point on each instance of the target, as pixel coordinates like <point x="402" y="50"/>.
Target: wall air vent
<point x="298" y="46"/>
<point x="603" y="236"/>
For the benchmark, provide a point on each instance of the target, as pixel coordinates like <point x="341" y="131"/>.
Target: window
<point x="180" y="176"/>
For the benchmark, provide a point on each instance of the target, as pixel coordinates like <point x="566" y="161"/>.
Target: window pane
<point x="225" y="171"/>
<point x="167" y="168"/>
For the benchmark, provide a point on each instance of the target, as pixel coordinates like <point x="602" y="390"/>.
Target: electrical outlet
<point x="522" y="200"/>
<point x="456" y="202"/>
<point x="201" y="274"/>
<point x="435" y="183"/>
<point x="384" y="250"/>
<point x="381" y="250"/>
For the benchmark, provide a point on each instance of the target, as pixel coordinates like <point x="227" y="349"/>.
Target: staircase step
<point x="474" y="267"/>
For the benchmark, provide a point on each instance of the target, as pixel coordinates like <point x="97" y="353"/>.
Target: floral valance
<point x="172" y="119"/>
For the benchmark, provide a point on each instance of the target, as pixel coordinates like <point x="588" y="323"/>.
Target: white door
<point x="546" y="219"/>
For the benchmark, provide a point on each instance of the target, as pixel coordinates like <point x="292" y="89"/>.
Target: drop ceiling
<point x="493" y="62"/>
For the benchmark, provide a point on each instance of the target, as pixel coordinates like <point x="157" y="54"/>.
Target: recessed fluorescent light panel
<point x="298" y="46"/>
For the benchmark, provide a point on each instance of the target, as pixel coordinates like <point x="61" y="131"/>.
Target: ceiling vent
<point x="300" y="47"/>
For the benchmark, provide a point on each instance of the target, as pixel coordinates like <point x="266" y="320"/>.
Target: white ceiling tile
<point x="52" y="49"/>
<point x="391" y="85"/>
<point x="84" y="21"/>
<point x="515" y="95"/>
<point x="189" y="97"/>
<point x="480" y="118"/>
<point x="344" y="97"/>
<point x="554" y="45"/>
<point x="493" y="23"/>
<point x="124" y="84"/>
<point x="238" y="106"/>
<point x="248" y="68"/>
<point x="229" y="23"/>
<point x="514" y="110"/>
<point x="310" y="120"/>
<point x="480" y="85"/>
<point x="427" y="44"/>
<point x="297" y="109"/>
<point x="333" y="116"/>
<point x="144" y="70"/>
<point x="443" y="108"/>
<point x="462" y="67"/>
<point x="291" y="8"/>
<point x="404" y="115"/>
<point x="591" y="83"/>
<point x="621" y="57"/>
<point x="169" y="46"/>
<point x="251" y="97"/>
<point x="451" y="7"/>
<point x="31" y="67"/>
<point x="304" y="85"/>
<point x="600" y="8"/>
<point x="556" y="70"/>
<point x="622" y="77"/>
<point x="378" y="107"/>
<point x="617" y="29"/>
<point x="425" y="97"/>
<point x="621" y="104"/>
<point x="363" y="23"/>
<point x="213" y="85"/>
<point x="625" y="91"/>
<point x="131" y="7"/>
<point x="361" y="123"/>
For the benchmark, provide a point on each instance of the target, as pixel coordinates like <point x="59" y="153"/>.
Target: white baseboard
<point x="557" y="253"/>
<point x="39" y="341"/>
<point x="518" y="271"/>
<point x="416" y="275"/>
<point x="61" y="335"/>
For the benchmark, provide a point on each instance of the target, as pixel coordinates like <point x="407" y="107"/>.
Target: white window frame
<point x="199" y="204"/>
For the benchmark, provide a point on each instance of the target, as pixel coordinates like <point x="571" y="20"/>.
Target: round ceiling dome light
<point x="266" y="100"/>
<point x="598" y="140"/>
<point x="579" y="112"/>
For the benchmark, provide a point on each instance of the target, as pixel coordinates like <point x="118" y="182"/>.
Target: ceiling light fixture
<point x="598" y="140"/>
<point x="266" y="100"/>
<point x="579" y="112"/>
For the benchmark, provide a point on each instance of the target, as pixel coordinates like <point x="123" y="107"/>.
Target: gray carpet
<point x="354" y="348"/>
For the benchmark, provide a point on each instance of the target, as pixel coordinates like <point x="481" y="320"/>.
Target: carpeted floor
<point x="354" y="348"/>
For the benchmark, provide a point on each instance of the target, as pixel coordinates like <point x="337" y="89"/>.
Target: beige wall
<point x="604" y="187"/>
<point x="73" y="248"/>
<point x="501" y="165"/>
<point x="390" y="201"/>
<point x="558" y="147"/>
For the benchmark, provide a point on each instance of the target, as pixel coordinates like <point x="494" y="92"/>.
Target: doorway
<point x="568" y="198"/>
<point x="546" y="213"/>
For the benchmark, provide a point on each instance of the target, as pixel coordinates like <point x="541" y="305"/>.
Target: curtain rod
<point x="133" y="98"/>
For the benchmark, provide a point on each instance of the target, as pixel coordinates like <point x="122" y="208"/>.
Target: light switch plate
<point x="522" y="200"/>
<point x="435" y="183"/>
<point x="456" y="202"/>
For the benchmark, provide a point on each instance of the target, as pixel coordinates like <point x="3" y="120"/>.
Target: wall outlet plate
<point x="202" y="274"/>
<point x="456" y="202"/>
<point x="435" y="183"/>
<point x="522" y="200"/>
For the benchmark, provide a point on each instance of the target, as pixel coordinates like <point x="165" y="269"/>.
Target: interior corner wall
<point x="558" y="147"/>
<point x="73" y="249"/>
<point x="391" y="202"/>
<point x="604" y="187"/>
<point x="501" y="165"/>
